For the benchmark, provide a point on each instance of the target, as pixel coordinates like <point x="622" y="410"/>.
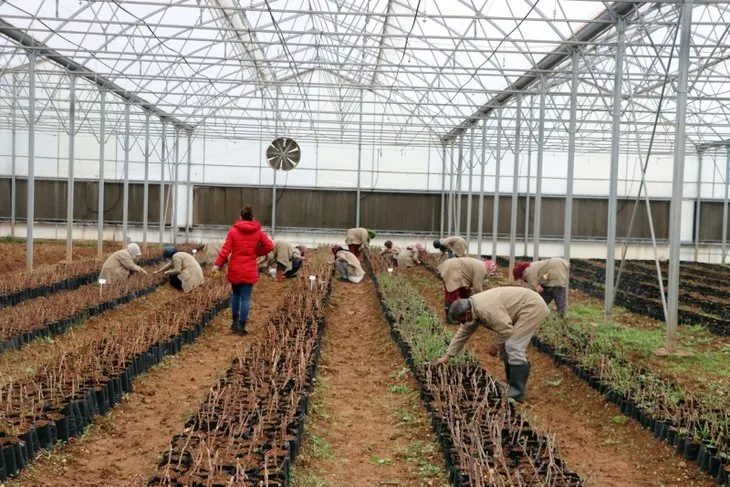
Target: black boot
<point x="518" y="375"/>
<point x="242" y="328"/>
<point x="235" y="325"/>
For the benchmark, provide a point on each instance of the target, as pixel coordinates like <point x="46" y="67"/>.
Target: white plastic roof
<point x="420" y="67"/>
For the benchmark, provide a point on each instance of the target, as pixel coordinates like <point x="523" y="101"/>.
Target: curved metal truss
<point x="408" y="72"/>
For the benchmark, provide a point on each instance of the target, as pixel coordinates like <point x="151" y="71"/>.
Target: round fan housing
<point x="283" y="154"/>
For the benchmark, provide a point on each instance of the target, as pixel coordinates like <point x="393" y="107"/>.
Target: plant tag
<point x="101" y="286"/>
<point x="312" y="280"/>
<point x="195" y="251"/>
<point x="102" y="281"/>
<point x="390" y="270"/>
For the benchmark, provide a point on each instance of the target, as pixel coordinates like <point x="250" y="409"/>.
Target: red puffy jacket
<point x="244" y="243"/>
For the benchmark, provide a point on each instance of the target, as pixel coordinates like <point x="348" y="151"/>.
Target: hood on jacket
<point x="246" y="226"/>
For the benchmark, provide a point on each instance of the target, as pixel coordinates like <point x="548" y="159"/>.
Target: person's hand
<point x="493" y="350"/>
<point x="155" y="273"/>
<point x="539" y="289"/>
<point x="143" y="271"/>
<point x="215" y="269"/>
<point x="441" y="360"/>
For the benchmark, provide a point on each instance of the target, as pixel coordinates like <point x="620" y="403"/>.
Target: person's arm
<point x="163" y="268"/>
<point x="176" y="265"/>
<point x="225" y="251"/>
<point x="479" y="276"/>
<point x="466" y="330"/>
<point x="128" y="263"/>
<point x="265" y="245"/>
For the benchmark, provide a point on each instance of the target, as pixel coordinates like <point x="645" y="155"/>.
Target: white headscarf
<point x="134" y="249"/>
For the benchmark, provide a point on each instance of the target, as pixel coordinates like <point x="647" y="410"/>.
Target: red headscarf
<point x="519" y="269"/>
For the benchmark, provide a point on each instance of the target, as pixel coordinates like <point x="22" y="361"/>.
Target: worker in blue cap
<point x="182" y="269"/>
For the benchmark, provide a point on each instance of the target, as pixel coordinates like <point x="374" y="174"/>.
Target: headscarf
<point x="335" y="248"/>
<point x="302" y="249"/>
<point x="371" y="234"/>
<point x="134" y="250"/>
<point x="437" y="244"/>
<point x="491" y="267"/>
<point x="519" y="269"/>
<point x="388" y="244"/>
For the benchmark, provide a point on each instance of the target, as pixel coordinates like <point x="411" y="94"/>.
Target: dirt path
<point x="594" y="437"/>
<point x="128" y="442"/>
<point x="367" y="426"/>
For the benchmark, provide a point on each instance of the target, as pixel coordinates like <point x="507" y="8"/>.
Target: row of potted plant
<point x="248" y="429"/>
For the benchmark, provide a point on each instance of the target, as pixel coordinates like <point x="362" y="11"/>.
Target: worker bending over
<point x="120" y="265"/>
<point x="286" y="257"/>
<point x="208" y="252"/>
<point x="410" y="256"/>
<point x="461" y="277"/>
<point x="356" y="238"/>
<point x="452" y="246"/>
<point x="548" y="277"/>
<point x="513" y="313"/>
<point x="182" y="269"/>
<point x="347" y="265"/>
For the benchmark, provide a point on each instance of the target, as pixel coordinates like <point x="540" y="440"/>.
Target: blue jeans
<point x="449" y="253"/>
<point x="240" y="301"/>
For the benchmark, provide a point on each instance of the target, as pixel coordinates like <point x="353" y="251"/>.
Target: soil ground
<point x="47" y="252"/>
<point x="125" y="445"/>
<point x="367" y="426"/>
<point x="603" y="446"/>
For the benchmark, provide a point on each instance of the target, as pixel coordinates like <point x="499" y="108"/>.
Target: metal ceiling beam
<point x="17" y="35"/>
<point x="603" y="22"/>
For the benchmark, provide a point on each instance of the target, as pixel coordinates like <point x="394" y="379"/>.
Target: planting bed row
<point x="249" y="428"/>
<point x="19" y="286"/>
<point x="61" y="397"/>
<point x="697" y="428"/>
<point x="712" y="274"/>
<point x="53" y="315"/>
<point x="485" y="442"/>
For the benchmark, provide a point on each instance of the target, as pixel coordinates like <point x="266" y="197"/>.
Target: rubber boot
<point x="506" y="370"/>
<point x="518" y="375"/>
<point x="235" y="326"/>
<point x="242" y="328"/>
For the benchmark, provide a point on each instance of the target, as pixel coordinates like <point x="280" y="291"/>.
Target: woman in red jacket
<point x="244" y="244"/>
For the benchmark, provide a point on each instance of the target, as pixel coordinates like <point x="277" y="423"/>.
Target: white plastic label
<point x="102" y="281"/>
<point x="390" y="269"/>
<point x="312" y="278"/>
<point x="195" y="251"/>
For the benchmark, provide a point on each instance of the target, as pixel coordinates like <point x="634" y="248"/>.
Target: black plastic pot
<point x="691" y="449"/>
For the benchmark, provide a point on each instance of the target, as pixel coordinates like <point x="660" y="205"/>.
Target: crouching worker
<point x="548" y="277"/>
<point x="391" y="251"/>
<point x="347" y="265"/>
<point x="356" y="238"/>
<point x="286" y="258"/>
<point x="461" y="277"/>
<point x="452" y="246"/>
<point x="119" y="266"/>
<point x="513" y="313"/>
<point x="208" y="252"/>
<point x="411" y="256"/>
<point x="182" y="270"/>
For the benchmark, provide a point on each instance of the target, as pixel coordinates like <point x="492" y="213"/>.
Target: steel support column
<point x="125" y="186"/>
<point x="359" y="164"/>
<point x="515" y="187"/>
<point x="613" y="181"/>
<point x="175" y="183"/>
<point x="443" y="190"/>
<point x="529" y="174"/>
<point x="71" y="164"/>
<point x="100" y="191"/>
<point x="450" y="230"/>
<point x="538" y="180"/>
<point x="459" y="169"/>
<point x="30" y="208"/>
<point x="725" y="204"/>
<point x="146" y="184"/>
<point x="469" y="192"/>
<point x="698" y="205"/>
<point x="497" y="167"/>
<point x="675" y="208"/>
<point x="568" y="228"/>
<point x="13" y="155"/>
<point x="480" y="217"/>
<point x="163" y="159"/>
<point x="189" y="186"/>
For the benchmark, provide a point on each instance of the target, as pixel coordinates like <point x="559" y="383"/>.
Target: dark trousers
<point x="240" y="301"/>
<point x="296" y="264"/>
<point x="355" y="249"/>
<point x="555" y="293"/>
<point x="450" y="297"/>
<point x="175" y="281"/>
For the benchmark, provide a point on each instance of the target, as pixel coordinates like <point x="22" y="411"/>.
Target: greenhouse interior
<point x="580" y="149"/>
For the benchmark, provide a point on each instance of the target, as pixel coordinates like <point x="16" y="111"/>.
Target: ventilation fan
<point x="283" y="154"/>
